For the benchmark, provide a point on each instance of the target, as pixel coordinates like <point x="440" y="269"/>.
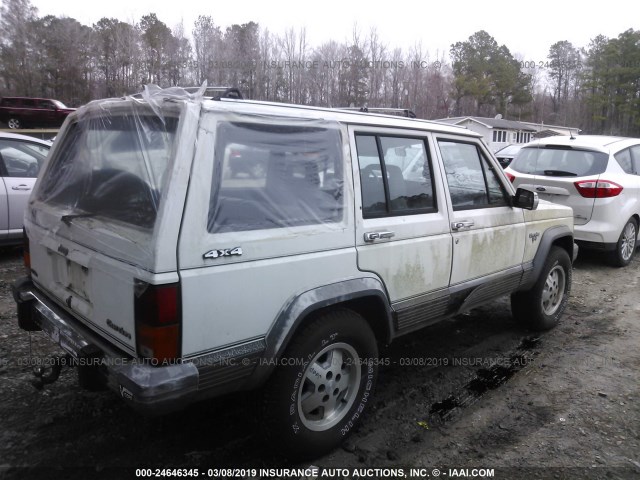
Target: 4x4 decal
<point x="224" y="252"/>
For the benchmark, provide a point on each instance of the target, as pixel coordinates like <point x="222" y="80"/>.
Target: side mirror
<point x="525" y="199"/>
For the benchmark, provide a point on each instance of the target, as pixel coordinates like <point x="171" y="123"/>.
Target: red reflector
<point x="158" y="319"/>
<point x="160" y="344"/>
<point x="510" y="176"/>
<point x="598" y="188"/>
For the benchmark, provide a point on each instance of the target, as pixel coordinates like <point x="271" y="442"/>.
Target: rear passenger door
<point x="488" y="233"/>
<point x="402" y="225"/>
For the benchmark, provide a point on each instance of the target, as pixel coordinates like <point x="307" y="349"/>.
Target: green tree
<point x="117" y="56"/>
<point x="612" y="84"/>
<point x="65" y="58"/>
<point x="488" y="74"/>
<point x="17" y="41"/>
<point x="242" y="49"/>
<point x="564" y="67"/>
<point x="207" y="40"/>
<point x="156" y="41"/>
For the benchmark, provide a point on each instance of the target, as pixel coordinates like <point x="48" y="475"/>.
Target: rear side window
<point x="21" y="159"/>
<point x="635" y="153"/>
<point x="10" y="102"/>
<point x="395" y="176"/>
<point x="276" y="175"/>
<point x="45" y="104"/>
<point x="624" y="160"/>
<point x="559" y="161"/>
<point x="112" y="166"/>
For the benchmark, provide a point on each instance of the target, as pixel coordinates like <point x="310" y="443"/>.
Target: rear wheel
<point x="14" y="123"/>
<point x="626" y="246"/>
<point x="541" y="307"/>
<point x="323" y="383"/>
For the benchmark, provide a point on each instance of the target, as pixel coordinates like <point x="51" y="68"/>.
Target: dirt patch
<point x="476" y="391"/>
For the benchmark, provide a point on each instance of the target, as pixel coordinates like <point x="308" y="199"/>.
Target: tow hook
<point x="50" y="372"/>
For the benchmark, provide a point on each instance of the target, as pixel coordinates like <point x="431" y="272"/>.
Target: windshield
<point x="559" y="161"/>
<point x="111" y="167"/>
<point x="59" y="104"/>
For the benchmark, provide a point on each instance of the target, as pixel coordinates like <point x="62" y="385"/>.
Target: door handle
<point x="371" y="236"/>
<point x="462" y="225"/>
<point x="21" y="187"/>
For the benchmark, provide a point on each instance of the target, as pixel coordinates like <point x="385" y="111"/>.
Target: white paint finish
<point x="538" y="221"/>
<point x="195" y="240"/>
<point x="228" y="304"/>
<point x="560" y="190"/>
<point x="102" y="290"/>
<point x="417" y="259"/>
<point x="495" y="238"/>
<point x="229" y="300"/>
<point x="494" y="243"/>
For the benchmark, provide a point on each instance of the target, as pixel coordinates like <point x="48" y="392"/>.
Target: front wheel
<point x="541" y="307"/>
<point x="322" y="385"/>
<point x="626" y="245"/>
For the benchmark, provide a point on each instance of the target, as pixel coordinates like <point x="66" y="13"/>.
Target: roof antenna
<point x="571" y="137"/>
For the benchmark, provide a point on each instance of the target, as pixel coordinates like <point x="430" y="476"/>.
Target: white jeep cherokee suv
<point x="169" y="280"/>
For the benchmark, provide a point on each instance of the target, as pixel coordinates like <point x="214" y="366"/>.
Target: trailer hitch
<point x="50" y="372"/>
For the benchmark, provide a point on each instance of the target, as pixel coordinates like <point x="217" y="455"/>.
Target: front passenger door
<point x="488" y="233"/>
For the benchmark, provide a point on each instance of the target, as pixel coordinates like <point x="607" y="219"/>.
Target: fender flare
<point x="549" y="238"/>
<point x="293" y="314"/>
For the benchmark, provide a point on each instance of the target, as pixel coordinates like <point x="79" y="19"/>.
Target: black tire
<point x="541" y="307"/>
<point x="14" y="123"/>
<point x="331" y="363"/>
<point x="626" y="245"/>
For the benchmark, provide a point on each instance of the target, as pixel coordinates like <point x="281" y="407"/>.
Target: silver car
<point x="597" y="176"/>
<point x="20" y="160"/>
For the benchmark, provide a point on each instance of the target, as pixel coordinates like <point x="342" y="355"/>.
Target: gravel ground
<point x="474" y="392"/>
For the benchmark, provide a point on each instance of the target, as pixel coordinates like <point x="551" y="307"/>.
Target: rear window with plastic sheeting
<point x="276" y="175"/>
<point x="113" y="167"/>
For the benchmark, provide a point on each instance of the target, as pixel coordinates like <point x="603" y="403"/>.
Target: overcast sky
<point x="528" y="29"/>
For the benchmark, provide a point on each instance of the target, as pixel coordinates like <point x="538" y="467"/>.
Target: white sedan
<point x="20" y="160"/>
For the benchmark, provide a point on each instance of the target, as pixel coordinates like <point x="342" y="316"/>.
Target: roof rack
<point x="216" y="93"/>
<point x="212" y="93"/>
<point x="399" y="112"/>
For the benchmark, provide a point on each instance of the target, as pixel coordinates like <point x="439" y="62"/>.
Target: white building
<point x="499" y="133"/>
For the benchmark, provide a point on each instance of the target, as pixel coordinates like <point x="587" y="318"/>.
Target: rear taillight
<point x="598" y="188"/>
<point x="158" y="316"/>
<point x="26" y="252"/>
<point x="510" y="176"/>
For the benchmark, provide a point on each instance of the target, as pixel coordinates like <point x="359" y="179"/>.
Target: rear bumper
<point x="150" y="389"/>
